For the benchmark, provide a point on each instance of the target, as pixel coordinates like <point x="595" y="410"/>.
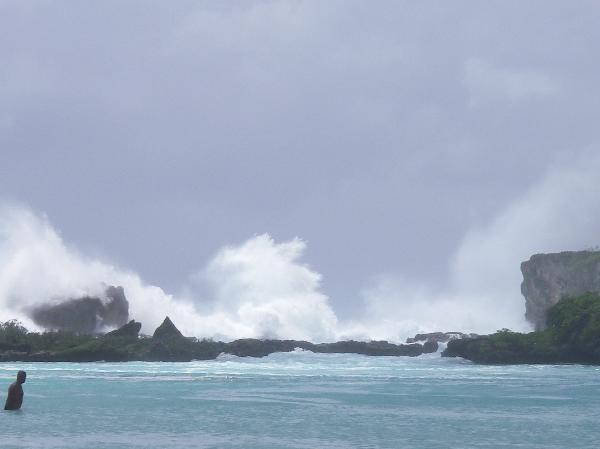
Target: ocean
<point x="303" y="400"/>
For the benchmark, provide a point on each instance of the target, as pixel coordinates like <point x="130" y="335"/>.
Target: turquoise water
<point x="304" y="400"/>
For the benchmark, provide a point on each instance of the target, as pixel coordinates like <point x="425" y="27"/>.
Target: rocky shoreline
<point x="167" y="344"/>
<point x="560" y="301"/>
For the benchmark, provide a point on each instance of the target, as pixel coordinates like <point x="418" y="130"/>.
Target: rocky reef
<point x="547" y="278"/>
<point x="84" y="315"/>
<point x="439" y="337"/>
<point x="168" y="344"/>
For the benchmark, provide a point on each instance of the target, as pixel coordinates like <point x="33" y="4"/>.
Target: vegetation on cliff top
<point x="572" y="336"/>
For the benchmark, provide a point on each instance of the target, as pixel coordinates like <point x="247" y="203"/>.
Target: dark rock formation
<point x="505" y="347"/>
<point x="547" y="278"/>
<point x="168" y="344"/>
<point x="85" y="315"/>
<point x="430" y="346"/>
<point x="131" y="329"/>
<point x="439" y="337"/>
<point x="374" y="348"/>
<point x="253" y="347"/>
<point x="167" y="331"/>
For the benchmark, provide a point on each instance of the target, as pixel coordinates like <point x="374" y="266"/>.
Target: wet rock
<point x="439" y="337"/>
<point x="373" y="348"/>
<point x="86" y="315"/>
<point x="131" y="329"/>
<point x="253" y="347"/>
<point x="167" y="331"/>
<point x="430" y="346"/>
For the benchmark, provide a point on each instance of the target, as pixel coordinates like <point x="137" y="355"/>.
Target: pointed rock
<point x="131" y="329"/>
<point x="167" y="331"/>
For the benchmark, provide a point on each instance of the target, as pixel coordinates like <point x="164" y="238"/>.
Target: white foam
<point x="261" y="288"/>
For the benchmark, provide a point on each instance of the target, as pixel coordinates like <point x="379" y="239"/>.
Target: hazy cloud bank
<point x="559" y="213"/>
<point x="261" y="288"/>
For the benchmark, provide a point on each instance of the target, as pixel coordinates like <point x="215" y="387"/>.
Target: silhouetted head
<point x="21" y="376"/>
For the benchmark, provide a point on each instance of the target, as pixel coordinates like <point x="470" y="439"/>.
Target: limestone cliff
<point x="547" y="278"/>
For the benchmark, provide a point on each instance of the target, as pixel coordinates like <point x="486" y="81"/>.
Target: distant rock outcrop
<point x="86" y="315"/>
<point x="373" y="348"/>
<point x="131" y="329"/>
<point x="439" y="337"/>
<point x="430" y="346"/>
<point x="167" y="331"/>
<point x="547" y="278"/>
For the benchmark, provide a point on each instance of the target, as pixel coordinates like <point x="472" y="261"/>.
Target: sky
<point x="376" y="168"/>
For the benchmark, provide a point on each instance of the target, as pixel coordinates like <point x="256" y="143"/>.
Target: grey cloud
<point x="485" y="81"/>
<point x="157" y="132"/>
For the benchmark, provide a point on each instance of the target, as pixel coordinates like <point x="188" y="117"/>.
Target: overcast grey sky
<point x="381" y="133"/>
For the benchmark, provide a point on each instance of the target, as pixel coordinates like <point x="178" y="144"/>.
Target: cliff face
<point x="547" y="278"/>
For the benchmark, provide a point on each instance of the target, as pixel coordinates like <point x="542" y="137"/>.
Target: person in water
<point x="15" y="392"/>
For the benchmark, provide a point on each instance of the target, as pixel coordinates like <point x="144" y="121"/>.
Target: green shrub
<point x="12" y="332"/>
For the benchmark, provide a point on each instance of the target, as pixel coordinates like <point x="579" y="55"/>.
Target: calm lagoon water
<point x="304" y="400"/>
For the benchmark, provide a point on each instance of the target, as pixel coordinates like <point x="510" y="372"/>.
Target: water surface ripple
<point x="304" y="400"/>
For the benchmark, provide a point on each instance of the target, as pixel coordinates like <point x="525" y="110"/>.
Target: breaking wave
<point x="261" y="288"/>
